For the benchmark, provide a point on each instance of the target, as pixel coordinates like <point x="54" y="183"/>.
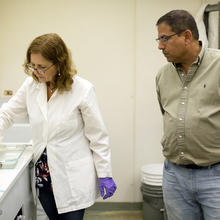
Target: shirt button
<point x="180" y="136"/>
<point x="185" y="87"/>
<point x="180" y="119"/>
<point x="182" y="103"/>
<point x="181" y="154"/>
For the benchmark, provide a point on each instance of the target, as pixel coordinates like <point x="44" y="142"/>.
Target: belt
<point x="194" y="166"/>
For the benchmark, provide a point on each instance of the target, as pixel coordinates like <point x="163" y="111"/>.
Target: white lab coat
<point x="71" y="127"/>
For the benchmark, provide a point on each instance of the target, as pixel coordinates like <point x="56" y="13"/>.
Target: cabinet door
<point x="18" y="197"/>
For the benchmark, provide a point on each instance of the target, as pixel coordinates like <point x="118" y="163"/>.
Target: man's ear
<point x="188" y="37"/>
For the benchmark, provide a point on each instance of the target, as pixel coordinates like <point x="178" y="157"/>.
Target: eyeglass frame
<point x="40" y="71"/>
<point x="165" y="38"/>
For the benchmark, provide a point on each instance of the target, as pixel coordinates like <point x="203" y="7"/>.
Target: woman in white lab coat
<point x="71" y="147"/>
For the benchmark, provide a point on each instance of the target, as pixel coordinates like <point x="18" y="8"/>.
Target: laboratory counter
<point x="16" y="200"/>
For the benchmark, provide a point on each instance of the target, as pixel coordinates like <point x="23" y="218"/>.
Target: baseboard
<point x="114" y="206"/>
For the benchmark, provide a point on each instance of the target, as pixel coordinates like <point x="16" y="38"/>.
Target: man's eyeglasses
<point x="165" y="38"/>
<point x="40" y="70"/>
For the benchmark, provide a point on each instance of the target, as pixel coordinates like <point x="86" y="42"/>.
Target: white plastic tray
<point x="10" y="154"/>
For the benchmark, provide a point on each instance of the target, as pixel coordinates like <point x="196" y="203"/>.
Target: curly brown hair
<point x="53" y="49"/>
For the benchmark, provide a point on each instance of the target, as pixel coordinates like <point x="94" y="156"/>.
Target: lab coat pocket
<point x="82" y="178"/>
<point x="69" y="126"/>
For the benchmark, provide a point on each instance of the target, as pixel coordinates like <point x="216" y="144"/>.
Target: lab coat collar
<point x="42" y="98"/>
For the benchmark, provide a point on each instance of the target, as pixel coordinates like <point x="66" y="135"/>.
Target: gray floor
<point x="107" y="211"/>
<point x="107" y="215"/>
<point x="113" y="215"/>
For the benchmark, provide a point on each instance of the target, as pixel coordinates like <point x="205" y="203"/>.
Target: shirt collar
<point x="201" y="54"/>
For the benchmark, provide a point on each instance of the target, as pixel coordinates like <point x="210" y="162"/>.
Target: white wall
<point x="113" y="46"/>
<point x="210" y="1"/>
<point x="101" y="36"/>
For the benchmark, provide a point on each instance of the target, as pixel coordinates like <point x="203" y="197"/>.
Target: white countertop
<point x="9" y="176"/>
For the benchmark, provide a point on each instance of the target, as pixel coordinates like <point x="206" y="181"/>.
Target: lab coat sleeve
<point x="15" y="108"/>
<point x="96" y="133"/>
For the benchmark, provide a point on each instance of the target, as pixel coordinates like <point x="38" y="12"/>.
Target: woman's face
<point x="44" y="70"/>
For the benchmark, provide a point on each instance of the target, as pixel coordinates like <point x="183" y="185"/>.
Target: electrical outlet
<point x="8" y="93"/>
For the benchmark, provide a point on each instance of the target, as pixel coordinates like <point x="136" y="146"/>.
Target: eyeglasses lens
<point x="32" y="69"/>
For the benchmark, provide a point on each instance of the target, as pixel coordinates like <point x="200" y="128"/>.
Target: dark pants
<point x="48" y="203"/>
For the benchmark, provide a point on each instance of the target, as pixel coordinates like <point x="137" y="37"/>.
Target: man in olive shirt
<point x="188" y="89"/>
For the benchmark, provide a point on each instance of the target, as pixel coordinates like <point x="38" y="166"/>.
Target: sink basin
<point x="10" y="154"/>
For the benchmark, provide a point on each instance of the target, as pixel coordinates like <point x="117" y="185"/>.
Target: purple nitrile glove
<point x="107" y="187"/>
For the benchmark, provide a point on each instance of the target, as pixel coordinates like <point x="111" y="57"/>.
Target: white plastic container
<point x="151" y="188"/>
<point x="152" y="174"/>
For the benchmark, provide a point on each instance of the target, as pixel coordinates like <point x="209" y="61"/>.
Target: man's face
<point x="173" y="47"/>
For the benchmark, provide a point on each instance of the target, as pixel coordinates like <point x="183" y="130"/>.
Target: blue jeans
<point x="191" y="194"/>
<point x="47" y="201"/>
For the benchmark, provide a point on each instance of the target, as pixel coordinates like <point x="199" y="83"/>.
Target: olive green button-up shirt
<point x="190" y="104"/>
